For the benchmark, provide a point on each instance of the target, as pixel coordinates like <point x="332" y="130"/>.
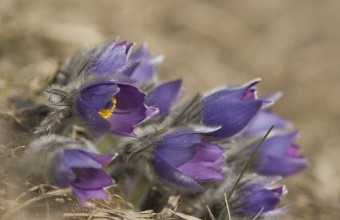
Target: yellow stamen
<point x="107" y="112"/>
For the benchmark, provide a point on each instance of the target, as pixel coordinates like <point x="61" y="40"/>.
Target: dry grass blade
<point x="258" y="214"/>
<point x="14" y="210"/>
<point x="171" y="206"/>
<point x="210" y="213"/>
<point x="116" y="214"/>
<point x="184" y="216"/>
<point x="227" y="205"/>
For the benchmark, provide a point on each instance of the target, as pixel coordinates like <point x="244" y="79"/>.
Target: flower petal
<point x="91" y="119"/>
<point x="91" y="178"/>
<point x="263" y="120"/>
<point x="121" y="124"/>
<point x="173" y="176"/>
<point x="200" y="170"/>
<point x="83" y="159"/>
<point x="148" y="64"/>
<point x="231" y="115"/>
<point x="98" y="95"/>
<point x="178" y="149"/>
<point x="256" y="185"/>
<point x="284" y="166"/>
<point x="278" y="144"/>
<point x="261" y="201"/>
<point x="141" y="53"/>
<point x="129" y="69"/>
<point x="164" y="96"/>
<point x="144" y="72"/>
<point x="208" y="152"/>
<point x="205" y="164"/>
<point x="130" y="110"/>
<point x="75" y="158"/>
<point x="113" y="57"/>
<point x="60" y="173"/>
<point x="129" y="97"/>
<point x="229" y="93"/>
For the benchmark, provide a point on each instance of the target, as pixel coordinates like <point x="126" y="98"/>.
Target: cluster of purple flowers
<point x="183" y="144"/>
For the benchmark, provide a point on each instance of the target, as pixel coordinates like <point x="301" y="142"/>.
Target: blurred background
<point x="294" y="45"/>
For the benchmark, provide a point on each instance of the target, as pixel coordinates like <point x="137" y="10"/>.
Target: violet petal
<point x="284" y="166"/>
<point x="232" y="115"/>
<point x="230" y="93"/>
<point x="141" y="53"/>
<point x="200" y="170"/>
<point x="112" y="58"/>
<point x="129" y="97"/>
<point x="83" y="159"/>
<point x="208" y="152"/>
<point x="91" y="119"/>
<point x="173" y="176"/>
<point x="60" y="173"/>
<point x="98" y="95"/>
<point x="261" y="201"/>
<point x="164" y="96"/>
<point x="263" y="120"/>
<point x="90" y="178"/>
<point x="278" y="144"/>
<point x="203" y="166"/>
<point x="178" y="149"/>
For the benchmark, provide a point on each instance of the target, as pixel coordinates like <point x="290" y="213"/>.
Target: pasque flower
<point x="278" y="155"/>
<point x="116" y="59"/>
<point x="182" y="158"/>
<point x="68" y="163"/>
<point x="82" y="171"/>
<point x="231" y="109"/>
<point x="257" y="198"/>
<point x="111" y="106"/>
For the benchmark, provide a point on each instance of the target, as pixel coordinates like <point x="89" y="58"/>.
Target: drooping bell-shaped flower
<point x="164" y="95"/>
<point x="82" y="171"/>
<point x="257" y="198"/>
<point x="279" y="155"/>
<point x="182" y="158"/>
<point x="113" y="107"/>
<point x="65" y="162"/>
<point x="231" y="109"/>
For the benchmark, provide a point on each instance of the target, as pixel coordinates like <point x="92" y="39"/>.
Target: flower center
<point x="107" y="111"/>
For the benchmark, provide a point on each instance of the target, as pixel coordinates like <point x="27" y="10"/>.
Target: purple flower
<point x="82" y="171"/>
<point x="115" y="59"/>
<point x="164" y="95"/>
<point x="182" y="158"/>
<point x="112" y="107"/>
<point x="148" y="65"/>
<point x="231" y="109"/>
<point x="254" y="198"/>
<point x="278" y="155"/>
